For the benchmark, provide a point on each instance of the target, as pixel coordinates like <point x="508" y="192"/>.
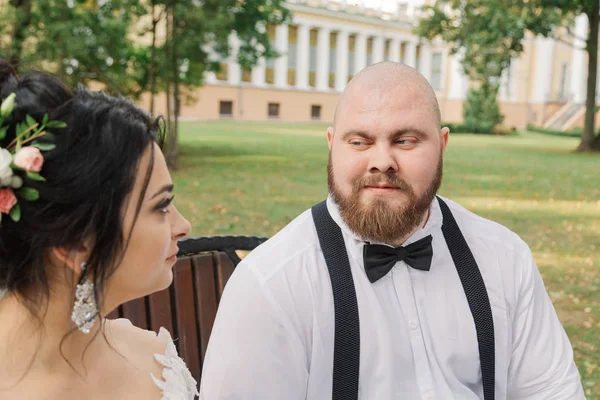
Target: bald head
<point x="389" y="76"/>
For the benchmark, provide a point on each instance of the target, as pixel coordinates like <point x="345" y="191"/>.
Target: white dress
<point x="177" y="382"/>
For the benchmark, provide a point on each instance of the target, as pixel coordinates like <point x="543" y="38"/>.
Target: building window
<point x="562" y="93"/>
<point x="436" y="71"/>
<point x="226" y="108"/>
<point x="292" y="50"/>
<point x="312" y="56"/>
<point x="386" y="52"/>
<point x="351" y="50"/>
<point x="270" y="62"/>
<point x="315" y="112"/>
<point x="402" y="8"/>
<point x="246" y="76"/>
<point x="333" y="42"/>
<point x="222" y="74"/>
<point x="273" y="110"/>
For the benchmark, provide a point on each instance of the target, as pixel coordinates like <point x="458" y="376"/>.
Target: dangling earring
<point x="84" y="310"/>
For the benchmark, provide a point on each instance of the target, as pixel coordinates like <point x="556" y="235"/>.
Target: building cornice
<point x="351" y="17"/>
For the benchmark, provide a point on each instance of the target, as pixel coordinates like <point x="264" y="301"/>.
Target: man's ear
<point x="445" y="132"/>
<point x="330" y="137"/>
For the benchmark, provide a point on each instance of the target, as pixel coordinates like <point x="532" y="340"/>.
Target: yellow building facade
<point x="328" y="41"/>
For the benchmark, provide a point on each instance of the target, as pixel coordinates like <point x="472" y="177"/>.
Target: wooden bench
<point x="189" y="306"/>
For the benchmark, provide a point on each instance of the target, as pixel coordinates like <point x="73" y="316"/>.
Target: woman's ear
<point x="72" y="258"/>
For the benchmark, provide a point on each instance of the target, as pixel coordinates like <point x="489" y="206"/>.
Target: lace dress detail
<point x="178" y="383"/>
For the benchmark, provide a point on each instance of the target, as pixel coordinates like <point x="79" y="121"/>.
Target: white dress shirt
<point x="273" y="337"/>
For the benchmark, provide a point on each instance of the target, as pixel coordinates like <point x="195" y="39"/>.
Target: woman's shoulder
<point x="136" y="342"/>
<point x="156" y="355"/>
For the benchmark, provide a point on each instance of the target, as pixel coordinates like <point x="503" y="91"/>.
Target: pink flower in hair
<point x="7" y="200"/>
<point x="29" y="158"/>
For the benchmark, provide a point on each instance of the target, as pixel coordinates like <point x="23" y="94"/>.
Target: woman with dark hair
<point x="86" y="224"/>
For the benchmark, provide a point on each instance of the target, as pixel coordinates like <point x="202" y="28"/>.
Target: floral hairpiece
<point x="23" y="155"/>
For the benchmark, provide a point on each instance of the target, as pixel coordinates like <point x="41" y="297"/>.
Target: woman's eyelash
<point x="165" y="203"/>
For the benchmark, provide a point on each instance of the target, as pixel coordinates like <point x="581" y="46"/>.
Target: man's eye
<point x="406" y="141"/>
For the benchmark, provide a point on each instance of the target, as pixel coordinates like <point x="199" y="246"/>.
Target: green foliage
<point x="80" y="41"/>
<point x="456" y="128"/>
<point x="576" y="132"/>
<point x="481" y="111"/>
<point x="28" y="194"/>
<point x="15" y="213"/>
<point x="201" y="34"/>
<point x="489" y="34"/>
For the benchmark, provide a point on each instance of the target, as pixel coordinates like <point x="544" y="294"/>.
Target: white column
<point x="378" y="49"/>
<point x="341" y="63"/>
<point x="258" y="72"/>
<point x="395" y="50"/>
<point x="504" y="82"/>
<point x="410" y="54"/>
<point x="234" y="72"/>
<point x="444" y="67"/>
<point x="303" y="43"/>
<point x="210" y="78"/>
<point x="322" y="81"/>
<point x="514" y="79"/>
<point x="457" y="79"/>
<point x="281" y="63"/>
<point x="578" y="67"/>
<point x="360" y="52"/>
<point x="425" y="61"/>
<point x="544" y="49"/>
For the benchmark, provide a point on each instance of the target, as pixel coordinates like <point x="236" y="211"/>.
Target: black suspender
<point x="477" y="296"/>
<point x="346" y="353"/>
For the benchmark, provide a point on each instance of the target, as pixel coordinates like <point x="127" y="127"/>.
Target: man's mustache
<point x="374" y="180"/>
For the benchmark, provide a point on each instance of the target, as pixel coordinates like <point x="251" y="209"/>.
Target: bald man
<point x="386" y="290"/>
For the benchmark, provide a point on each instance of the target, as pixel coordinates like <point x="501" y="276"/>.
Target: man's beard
<point x="378" y="221"/>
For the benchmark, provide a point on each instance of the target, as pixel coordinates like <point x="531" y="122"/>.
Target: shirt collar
<point x="355" y="243"/>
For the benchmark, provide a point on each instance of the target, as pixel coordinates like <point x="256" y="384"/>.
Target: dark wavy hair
<point x="89" y="179"/>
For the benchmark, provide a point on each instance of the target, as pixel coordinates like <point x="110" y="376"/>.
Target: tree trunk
<point x="23" y="8"/>
<point x="173" y="92"/>
<point x="167" y="77"/>
<point x="587" y="136"/>
<point x="152" y="66"/>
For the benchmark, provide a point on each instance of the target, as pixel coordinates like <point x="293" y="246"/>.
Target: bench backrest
<point x="189" y="306"/>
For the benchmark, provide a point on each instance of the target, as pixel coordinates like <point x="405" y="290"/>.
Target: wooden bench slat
<point x="187" y="333"/>
<point x="161" y="311"/>
<point x="116" y="313"/>
<point x="224" y="270"/>
<point x="135" y="311"/>
<point x="206" y="297"/>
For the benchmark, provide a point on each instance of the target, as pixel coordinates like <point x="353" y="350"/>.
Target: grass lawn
<point x="254" y="178"/>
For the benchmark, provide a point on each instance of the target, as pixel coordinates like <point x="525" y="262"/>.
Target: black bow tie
<point x="379" y="259"/>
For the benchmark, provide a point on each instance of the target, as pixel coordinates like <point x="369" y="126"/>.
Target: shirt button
<point x="429" y="396"/>
<point x="412" y="324"/>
